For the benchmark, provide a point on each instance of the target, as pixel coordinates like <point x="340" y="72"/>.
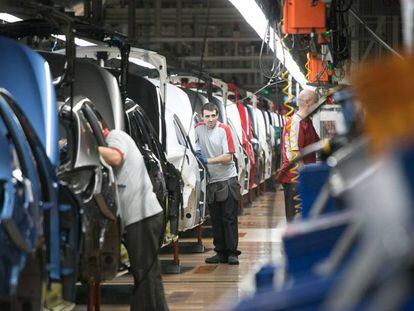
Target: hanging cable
<point x="308" y="69"/>
<point x="270" y="83"/>
<point x="294" y="153"/>
<point x="271" y="73"/>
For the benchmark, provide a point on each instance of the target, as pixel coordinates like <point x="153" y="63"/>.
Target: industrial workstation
<point x="206" y="155"/>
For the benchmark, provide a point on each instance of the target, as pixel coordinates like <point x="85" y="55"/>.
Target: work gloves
<point x="201" y="157"/>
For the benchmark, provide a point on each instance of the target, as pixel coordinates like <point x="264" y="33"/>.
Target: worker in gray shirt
<point x="141" y="217"/>
<point x="215" y="148"/>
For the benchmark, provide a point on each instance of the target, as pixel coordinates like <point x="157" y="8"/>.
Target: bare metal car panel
<point x="242" y="159"/>
<point x="197" y="198"/>
<point x="94" y="183"/>
<point x="164" y="183"/>
<point x="94" y="83"/>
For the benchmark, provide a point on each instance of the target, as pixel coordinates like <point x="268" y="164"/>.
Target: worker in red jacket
<point x="297" y="134"/>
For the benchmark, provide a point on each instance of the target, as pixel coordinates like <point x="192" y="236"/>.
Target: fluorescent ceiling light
<point x="9" y="18"/>
<point x="258" y="21"/>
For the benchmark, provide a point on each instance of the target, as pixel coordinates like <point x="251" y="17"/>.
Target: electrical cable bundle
<point x="340" y="32"/>
<point x="274" y="71"/>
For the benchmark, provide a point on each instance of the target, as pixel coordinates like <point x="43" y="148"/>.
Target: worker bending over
<point x="141" y="217"/>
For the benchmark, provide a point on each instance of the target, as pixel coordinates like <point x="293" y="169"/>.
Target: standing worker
<point x="216" y="148"/>
<point x="297" y="134"/>
<point x="141" y="217"/>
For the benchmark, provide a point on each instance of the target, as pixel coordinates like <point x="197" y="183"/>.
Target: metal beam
<point x="232" y="70"/>
<point x="97" y="11"/>
<point x="199" y="39"/>
<point x="157" y="17"/>
<point x="131" y="20"/>
<point x="87" y="8"/>
<point x="225" y="58"/>
<point x="380" y="24"/>
<point x="374" y="34"/>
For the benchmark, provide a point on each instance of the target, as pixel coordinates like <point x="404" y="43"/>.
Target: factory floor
<point x="214" y="287"/>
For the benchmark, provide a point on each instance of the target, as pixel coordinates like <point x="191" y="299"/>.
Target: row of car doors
<point x="60" y="199"/>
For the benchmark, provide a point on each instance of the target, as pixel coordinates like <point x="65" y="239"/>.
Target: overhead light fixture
<point x="255" y="17"/>
<point x="9" y="18"/>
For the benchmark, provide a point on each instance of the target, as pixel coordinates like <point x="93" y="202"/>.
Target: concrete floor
<point x="215" y="287"/>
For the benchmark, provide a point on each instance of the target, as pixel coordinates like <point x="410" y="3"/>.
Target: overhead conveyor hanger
<point x="55" y="23"/>
<point x="177" y="79"/>
<point x="176" y="76"/>
<point x="154" y="59"/>
<point x="224" y="89"/>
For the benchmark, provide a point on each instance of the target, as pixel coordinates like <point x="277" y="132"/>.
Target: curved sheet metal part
<point x="242" y="158"/>
<point x="140" y="57"/>
<point x="20" y="219"/>
<point x="147" y="96"/>
<point x="197" y="198"/>
<point x="257" y="147"/>
<point x="261" y="126"/>
<point x="26" y="75"/>
<point x="184" y="160"/>
<point x="87" y="154"/>
<point x="57" y="208"/>
<point x="157" y="61"/>
<point x="94" y="184"/>
<point x="224" y="89"/>
<point x="246" y="141"/>
<point x="180" y="139"/>
<point x="197" y="100"/>
<point x="221" y="107"/>
<point x="190" y="216"/>
<point x="146" y="138"/>
<point x="178" y="103"/>
<point x="95" y="83"/>
<point x="234" y="116"/>
<point x="269" y="146"/>
<point x="239" y="157"/>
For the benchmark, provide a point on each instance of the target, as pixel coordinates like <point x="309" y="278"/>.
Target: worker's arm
<point x="112" y="156"/>
<point x="227" y="144"/>
<point x="221" y="159"/>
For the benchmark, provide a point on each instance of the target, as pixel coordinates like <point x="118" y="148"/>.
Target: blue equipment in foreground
<point x="29" y="112"/>
<point x="21" y="227"/>
<point x="312" y="180"/>
<point x="26" y="75"/>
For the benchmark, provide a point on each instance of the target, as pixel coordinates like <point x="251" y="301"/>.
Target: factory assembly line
<point x="206" y="155"/>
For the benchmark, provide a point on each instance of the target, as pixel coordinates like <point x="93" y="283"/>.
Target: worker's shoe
<point x="233" y="260"/>
<point x="216" y="259"/>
